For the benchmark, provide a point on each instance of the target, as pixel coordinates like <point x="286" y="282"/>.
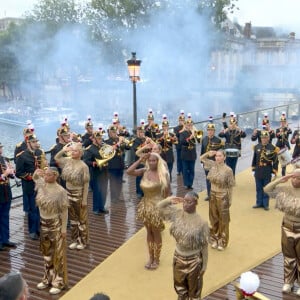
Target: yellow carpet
<point x="254" y="238"/>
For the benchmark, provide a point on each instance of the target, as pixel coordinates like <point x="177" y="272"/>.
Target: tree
<point x="217" y="9"/>
<point x="10" y="71"/>
<point x="55" y="13"/>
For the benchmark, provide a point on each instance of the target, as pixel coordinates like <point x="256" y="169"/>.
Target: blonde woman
<point x="155" y="184"/>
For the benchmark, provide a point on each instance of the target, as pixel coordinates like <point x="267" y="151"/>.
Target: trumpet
<point x="155" y="127"/>
<point x="129" y="142"/>
<point x="107" y="152"/>
<point x="198" y="134"/>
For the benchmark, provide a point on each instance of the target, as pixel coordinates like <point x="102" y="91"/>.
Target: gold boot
<point x="157" y="250"/>
<point x="151" y="255"/>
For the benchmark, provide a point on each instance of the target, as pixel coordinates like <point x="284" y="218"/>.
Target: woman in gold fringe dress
<point x="155" y="184"/>
<point x="76" y="174"/>
<point x="222" y="181"/>
<point x="52" y="201"/>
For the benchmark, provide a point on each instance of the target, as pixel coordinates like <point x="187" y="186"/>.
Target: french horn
<point x="107" y="152"/>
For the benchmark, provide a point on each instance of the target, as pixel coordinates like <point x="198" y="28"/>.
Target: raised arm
<point x="133" y="171"/>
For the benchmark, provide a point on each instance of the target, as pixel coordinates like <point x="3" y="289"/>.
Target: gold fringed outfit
<point x="52" y="201"/>
<point x="288" y="201"/>
<point x="190" y="257"/>
<point x="222" y="181"/>
<point x="76" y="174"/>
<point x="147" y="211"/>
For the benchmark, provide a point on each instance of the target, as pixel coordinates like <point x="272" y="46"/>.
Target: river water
<point x="11" y="135"/>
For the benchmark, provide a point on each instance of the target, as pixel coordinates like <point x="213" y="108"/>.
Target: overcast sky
<point x="283" y="13"/>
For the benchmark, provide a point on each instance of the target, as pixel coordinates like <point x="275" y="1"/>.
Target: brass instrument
<point x="107" y="152"/>
<point x="155" y="127"/>
<point x="168" y="138"/>
<point x="42" y="162"/>
<point x="198" y="134"/>
<point x="129" y="142"/>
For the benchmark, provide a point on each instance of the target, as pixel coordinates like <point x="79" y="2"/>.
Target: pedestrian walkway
<point x="107" y="233"/>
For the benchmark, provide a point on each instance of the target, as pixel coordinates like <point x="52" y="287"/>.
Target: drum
<point x="232" y="152"/>
<point x="296" y="162"/>
<point x="284" y="157"/>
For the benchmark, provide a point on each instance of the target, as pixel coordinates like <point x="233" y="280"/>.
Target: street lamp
<point x="134" y="75"/>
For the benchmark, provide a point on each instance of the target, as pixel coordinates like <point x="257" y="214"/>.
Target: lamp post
<point x="134" y="75"/>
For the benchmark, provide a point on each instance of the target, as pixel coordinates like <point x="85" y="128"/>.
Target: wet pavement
<point x="107" y="233"/>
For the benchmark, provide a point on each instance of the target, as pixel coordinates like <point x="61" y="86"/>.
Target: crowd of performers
<point x="55" y="191"/>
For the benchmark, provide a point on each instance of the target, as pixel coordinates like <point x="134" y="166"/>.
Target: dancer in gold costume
<point x="191" y="234"/>
<point x="76" y="174"/>
<point x="288" y="201"/>
<point x="222" y="180"/>
<point x="156" y="186"/>
<point x="52" y="201"/>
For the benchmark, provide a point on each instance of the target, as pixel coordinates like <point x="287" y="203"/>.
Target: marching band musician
<point x="151" y="129"/>
<point x="63" y="138"/>
<point x="116" y="164"/>
<point x="138" y="143"/>
<point x="121" y="130"/>
<point x="52" y="200"/>
<point x="282" y="135"/>
<point x="177" y="131"/>
<point x="266" y="126"/>
<point x="86" y="138"/>
<point x="99" y="175"/>
<point x="210" y="142"/>
<point x="76" y="174"/>
<point x="167" y="139"/>
<point x="75" y="137"/>
<point x="264" y="164"/>
<point x="233" y="136"/>
<point x="23" y="145"/>
<point x="295" y="140"/>
<point x="188" y="139"/>
<point x="27" y="162"/>
<point x="6" y="172"/>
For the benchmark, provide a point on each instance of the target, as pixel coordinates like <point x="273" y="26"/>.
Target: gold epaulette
<point x="20" y="153"/>
<point x="53" y="147"/>
<point x="19" y="145"/>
